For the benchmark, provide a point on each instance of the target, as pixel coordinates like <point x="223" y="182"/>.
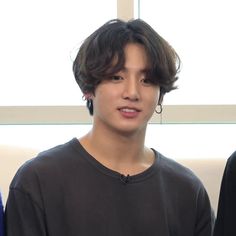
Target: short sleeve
<point x="205" y="215"/>
<point x="23" y="216"/>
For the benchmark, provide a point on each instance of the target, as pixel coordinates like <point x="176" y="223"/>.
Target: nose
<point x="131" y="90"/>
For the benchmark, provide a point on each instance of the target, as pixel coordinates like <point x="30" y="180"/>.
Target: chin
<point x="131" y="130"/>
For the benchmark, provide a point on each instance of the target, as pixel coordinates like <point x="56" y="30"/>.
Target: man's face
<point x="126" y="101"/>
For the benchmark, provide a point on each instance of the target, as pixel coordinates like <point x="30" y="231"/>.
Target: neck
<point x="124" y="153"/>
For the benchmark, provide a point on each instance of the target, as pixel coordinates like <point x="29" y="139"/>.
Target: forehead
<point x="135" y="56"/>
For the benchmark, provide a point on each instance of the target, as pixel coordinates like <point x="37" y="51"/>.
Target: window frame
<point x="172" y="114"/>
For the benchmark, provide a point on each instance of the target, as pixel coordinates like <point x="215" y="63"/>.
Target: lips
<point x="129" y="109"/>
<point x="129" y="112"/>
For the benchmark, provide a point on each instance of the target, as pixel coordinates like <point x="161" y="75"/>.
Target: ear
<point x="87" y="96"/>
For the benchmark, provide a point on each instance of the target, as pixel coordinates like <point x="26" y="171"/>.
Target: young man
<point x="226" y="215"/>
<point x="108" y="182"/>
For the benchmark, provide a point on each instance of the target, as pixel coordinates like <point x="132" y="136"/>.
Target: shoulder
<point x="231" y="162"/>
<point x="185" y="187"/>
<point x="53" y="156"/>
<point x="48" y="162"/>
<point x="175" y="169"/>
<point x="178" y="174"/>
<point x="59" y="152"/>
<point x="230" y="169"/>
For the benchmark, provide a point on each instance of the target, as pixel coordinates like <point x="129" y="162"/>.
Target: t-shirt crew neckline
<point x="105" y="170"/>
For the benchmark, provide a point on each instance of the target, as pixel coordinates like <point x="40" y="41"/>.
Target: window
<point x="39" y="40"/>
<point x="202" y="32"/>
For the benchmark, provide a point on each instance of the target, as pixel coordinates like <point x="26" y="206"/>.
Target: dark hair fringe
<point x="95" y="59"/>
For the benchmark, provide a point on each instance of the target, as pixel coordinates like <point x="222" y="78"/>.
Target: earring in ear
<point x="160" y="109"/>
<point x="89" y="103"/>
<point x="86" y="96"/>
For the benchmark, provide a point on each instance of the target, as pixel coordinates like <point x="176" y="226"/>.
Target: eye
<point x="146" y="81"/>
<point x="116" y="78"/>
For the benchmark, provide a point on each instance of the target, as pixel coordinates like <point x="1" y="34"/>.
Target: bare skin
<point x="123" y="106"/>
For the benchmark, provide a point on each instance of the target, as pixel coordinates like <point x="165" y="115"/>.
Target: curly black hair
<point x="95" y="59"/>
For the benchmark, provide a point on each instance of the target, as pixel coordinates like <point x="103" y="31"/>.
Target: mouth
<point x="129" y="109"/>
<point x="129" y="112"/>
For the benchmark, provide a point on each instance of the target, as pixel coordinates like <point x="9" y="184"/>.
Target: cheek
<point x="102" y="102"/>
<point x="153" y="97"/>
<point x="106" y="94"/>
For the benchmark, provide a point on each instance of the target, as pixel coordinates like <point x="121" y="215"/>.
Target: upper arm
<point x="205" y="215"/>
<point x="23" y="215"/>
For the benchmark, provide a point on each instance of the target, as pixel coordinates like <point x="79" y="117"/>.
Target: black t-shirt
<point x="66" y="192"/>
<point x="226" y="216"/>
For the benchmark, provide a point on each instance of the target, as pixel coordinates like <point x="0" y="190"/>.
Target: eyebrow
<point x="142" y="71"/>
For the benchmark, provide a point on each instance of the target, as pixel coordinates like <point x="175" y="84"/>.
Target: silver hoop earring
<point x="160" y="109"/>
